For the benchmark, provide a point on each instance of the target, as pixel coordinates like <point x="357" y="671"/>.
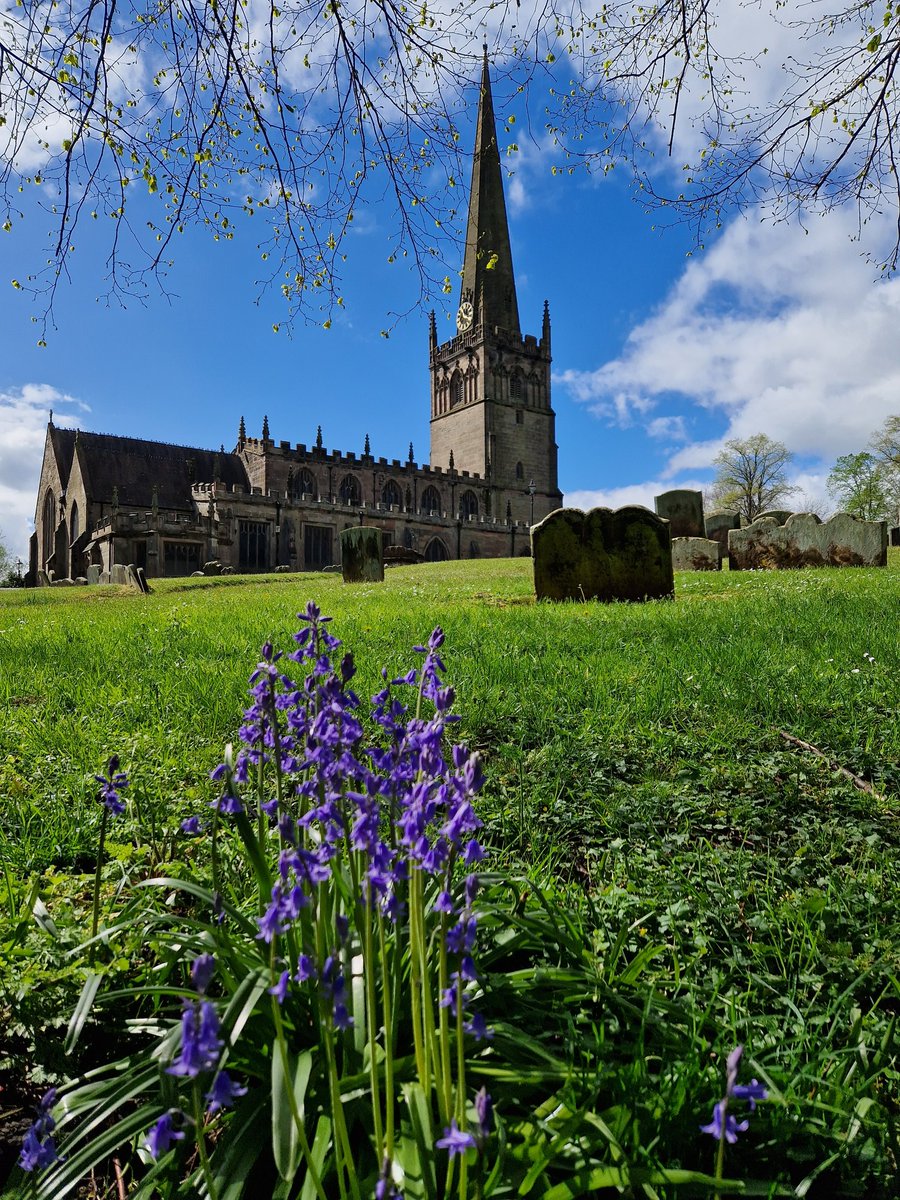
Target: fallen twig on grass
<point x="863" y="784"/>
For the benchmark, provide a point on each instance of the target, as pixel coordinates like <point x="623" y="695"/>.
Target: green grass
<point x="635" y="768"/>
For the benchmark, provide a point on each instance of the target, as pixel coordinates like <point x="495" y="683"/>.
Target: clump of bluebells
<point x="725" y="1126"/>
<point x="364" y="852"/>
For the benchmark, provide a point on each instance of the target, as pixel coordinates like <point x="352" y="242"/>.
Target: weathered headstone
<point x="118" y="573"/>
<point x="142" y="581"/>
<point x="105" y="577"/>
<point x="93" y="573"/>
<point x="213" y="567"/>
<point x="81" y="581"/>
<point x="624" y="554"/>
<point x="805" y="541"/>
<point x="362" y="556"/>
<point x="695" y="554"/>
<point x="894" y="534"/>
<point x="717" y="526"/>
<point x="43" y="579"/>
<point x="776" y="514"/>
<point x="228" y="570"/>
<point x="683" y="509"/>
<point x="401" y="556"/>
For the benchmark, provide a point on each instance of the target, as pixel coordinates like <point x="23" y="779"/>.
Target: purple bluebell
<point x="112" y="783"/>
<point x="279" y="990"/>
<point x="478" y="1028"/>
<point x="750" y="1092"/>
<point x="191" y="825"/>
<point x="223" y="1092"/>
<point x="201" y="1044"/>
<point x="455" y="1140"/>
<point x="202" y="970"/>
<point x="732" y="1126"/>
<point x="484" y="1111"/>
<point x="38" y="1148"/>
<point x="162" y="1136"/>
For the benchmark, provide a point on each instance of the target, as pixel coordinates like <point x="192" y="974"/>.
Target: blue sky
<point x="659" y="352"/>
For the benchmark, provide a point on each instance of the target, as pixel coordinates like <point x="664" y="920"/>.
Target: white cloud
<point x="776" y="329"/>
<point x="618" y="497"/>
<point x="23" y="422"/>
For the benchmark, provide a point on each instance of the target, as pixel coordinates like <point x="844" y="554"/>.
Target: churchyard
<point x="691" y="826"/>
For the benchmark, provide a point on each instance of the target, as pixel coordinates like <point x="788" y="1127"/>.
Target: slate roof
<point x="134" y="466"/>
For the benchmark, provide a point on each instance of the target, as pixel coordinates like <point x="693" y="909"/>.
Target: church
<point x="105" y="500"/>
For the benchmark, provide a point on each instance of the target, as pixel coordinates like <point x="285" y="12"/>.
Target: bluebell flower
<point x="279" y="990"/>
<point x="455" y="1140"/>
<point x="112" y="783"/>
<point x="162" y="1136"/>
<point x="202" y="970"/>
<point x="201" y="1044"/>
<point x="732" y="1126"/>
<point x="484" y="1111"/>
<point x="223" y="1093"/>
<point x="38" y="1148"/>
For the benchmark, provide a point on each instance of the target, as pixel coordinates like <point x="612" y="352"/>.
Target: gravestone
<point x="43" y="579"/>
<point x="401" y="556"/>
<point x="213" y="567"/>
<point x="777" y="514"/>
<point x="93" y="573"/>
<point x="118" y="574"/>
<point x="228" y="570"/>
<point x="894" y="533"/>
<point x="695" y="554"/>
<point x="142" y="581"/>
<point x="683" y="509"/>
<point x="717" y="526"/>
<point x="624" y="554"/>
<point x="362" y="557"/>
<point x="805" y="541"/>
<point x="104" y="577"/>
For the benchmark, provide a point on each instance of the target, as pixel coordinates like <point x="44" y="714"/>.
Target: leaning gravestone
<point x="142" y="580"/>
<point x="362" y="557"/>
<point x="683" y="509"/>
<point x="717" y="526"/>
<point x="805" y="541"/>
<point x="624" y="554"/>
<point x="93" y="573"/>
<point x="695" y="554"/>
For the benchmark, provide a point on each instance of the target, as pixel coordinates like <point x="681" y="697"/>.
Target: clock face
<point x="464" y="316"/>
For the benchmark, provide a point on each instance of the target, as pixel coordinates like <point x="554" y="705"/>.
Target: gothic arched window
<point x="515" y="385"/>
<point x="436" y="551"/>
<point x="48" y="525"/>
<point x="349" y="490"/>
<point x="390" y="494"/>
<point x="305" y="485"/>
<point x="468" y="505"/>
<point x="74" y="522"/>
<point x="456" y="389"/>
<point x="520" y="472"/>
<point x="431" y="500"/>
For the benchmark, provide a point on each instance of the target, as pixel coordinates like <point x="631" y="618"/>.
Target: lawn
<point x="676" y="870"/>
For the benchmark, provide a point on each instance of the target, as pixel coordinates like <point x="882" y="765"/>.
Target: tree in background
<point x="857" y="482"/>
<point x="751" y="475"/>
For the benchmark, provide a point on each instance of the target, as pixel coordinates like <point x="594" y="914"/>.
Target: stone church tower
<point x="490" y="385"/>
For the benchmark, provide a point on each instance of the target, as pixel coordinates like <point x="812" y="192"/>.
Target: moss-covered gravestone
<point x="604" y="554"/>
<point x="683" y="509"/>
<point x="362" y="557"/>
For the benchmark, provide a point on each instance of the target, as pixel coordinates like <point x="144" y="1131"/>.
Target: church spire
<point x="488" y="282"/>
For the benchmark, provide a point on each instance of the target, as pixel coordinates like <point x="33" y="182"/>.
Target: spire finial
<point x="412" y="457"/>
<point x="265" y="429"/>
<point x="367" y="450"/>
<point x="451" y="460"/>
<point x="51" y="417"/>
<point x="319" y="437"/>
<point x="242" y="432"/>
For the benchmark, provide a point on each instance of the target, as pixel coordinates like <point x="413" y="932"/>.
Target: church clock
<point x="464" y="316"/>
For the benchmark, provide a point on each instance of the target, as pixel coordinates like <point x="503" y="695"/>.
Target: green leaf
<point x="82" y="1010"/>
<point x="239" y="1149"/>
<point x="289" y="1074"/>
<point x="417" y="1155"/>
<point x="319" y="1150"/>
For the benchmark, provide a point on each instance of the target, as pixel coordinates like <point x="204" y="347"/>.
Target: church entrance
<point x="317" y="541"/>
